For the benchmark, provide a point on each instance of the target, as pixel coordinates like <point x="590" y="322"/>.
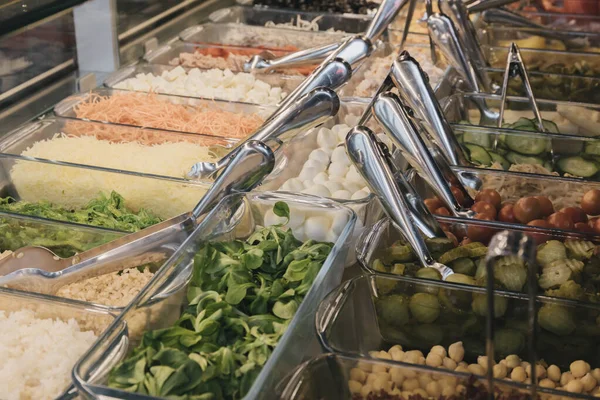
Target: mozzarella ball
<point x="317" y="190"/>
<point x="331" y="237"/>
<point x="297" y="218"/>
<point x="308" y="174"/>
<point x="319" y="166"/>
<point x="339" y="222"/>
<point x="321" y="178"/>
<point x="352" y="187"/>
<point x="341" y="130"/>
<point x="293" y="185"/>
<point x="326" y="139"/>
<point x="359" y="195"/>
<point x="354" y="176"/>
<point x="317" y="227"/>
<point x="299" y="232"/>
<point x="320" y="156"/>
<point x="337" y="169"/>
<point x="341" y="195"/>
<point x="340" y="156"/>
<point x="333" y="186"/>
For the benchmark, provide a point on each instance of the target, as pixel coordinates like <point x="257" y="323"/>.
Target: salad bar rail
<point x="351" y="199"/>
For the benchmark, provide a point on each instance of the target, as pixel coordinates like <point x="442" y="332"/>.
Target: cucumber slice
<point x="593" y="147"/>
<point x="478" y="154"/>
<point x="516" y="158"/>
<point x="548" y="166"/>
<point x="550" y="126"/>
<point x="529" y="145"/>
<point x="478" y="138"/>
<point x="578" y="166"/>
<point x="499" y="159"/>
<point x="500" y="150"/>
<point x="522" y="124"/>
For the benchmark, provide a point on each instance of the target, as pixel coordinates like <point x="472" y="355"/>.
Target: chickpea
<point x="384" y="355"/>
<point x="588" y="382"/>
<point x="540" y="371"/>
<point x="382" y="384"/>
<point x="463" y="363"/>
<point x="448" y="391"/>
<point x="424" y="379"/>
<point x="553" y="373"/>
<point x="500" y="371"/>
<point x="456" y="351"/>
<point x="421" y="361"/>
<point x="397" y="376"/>
<point x="547" y="383"/>
<point x="395" y="347"/>
<point x="483" y="361"/>
<point x="433" y="389"/>
<point x="449" y="363"/>
<point x="513" y="361"/>
<point x="433" y="360"/>
<point x="406" y="394"/>
<point x="420" y="392"/>
<point x="397" y="355"/>
<point x="460" y="389"/>
<point x="412" y="357"/>
<point x="596" y="374"/>
<point x="365" y="366"/>
<point x="439" y="350"/>
<point x="476" y="369"/>
<point x="565" y="378"/>
<point x="518" y="374"/>
<point x="410" y="384"/>
<point x="354" y="386"/>
<point x="579" y="368"/>
<point x="379" y="368"/>
<point x="366" y="389"/>
<point x="574" y="386"/>
<point x="383" y="375"/>
<point x="371" y="378"/>
<point x="462" y="368"/>
<point x="396" y="392"/>
<point x="409" y="374"/>
<point x="448" y="381"/>
<point x="374" y="354"/>
<point x="358" y="375"/>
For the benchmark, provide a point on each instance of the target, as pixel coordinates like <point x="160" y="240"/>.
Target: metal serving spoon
<point x="370" y="159"/>
<point x="39" y="269"/>
<point x="311" y="110"/>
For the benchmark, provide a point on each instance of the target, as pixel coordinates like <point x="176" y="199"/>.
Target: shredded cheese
<point x="151" y="110"/>
<point x="75" y="187"/>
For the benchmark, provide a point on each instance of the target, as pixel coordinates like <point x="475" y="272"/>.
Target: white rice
<point x="37" y="355"/>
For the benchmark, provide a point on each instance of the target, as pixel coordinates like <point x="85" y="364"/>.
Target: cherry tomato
<point x="527" y="209"/>
<point x="481" y="233"/>
<point x="545" y="205"/>
<point x="575" y="213"/>
<point x="583" y="227"/>
<point x="442" y="211"/>
<point x="539" y="237"/>
<point x="490" y="196"/>
<point x="507" y="214"/>
<point x="458" y="195"/>
<point x="483" y="207"/>
<point x="596" y="226"/>
<point x="560" y="221"/>
<point x="433" y="204"/>
<point x="590" y="203"/>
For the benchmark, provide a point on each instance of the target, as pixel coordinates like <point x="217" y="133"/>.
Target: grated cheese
<point x="75" y="187"/>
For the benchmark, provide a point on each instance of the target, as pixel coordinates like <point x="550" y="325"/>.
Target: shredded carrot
<point x="152" y="111"/>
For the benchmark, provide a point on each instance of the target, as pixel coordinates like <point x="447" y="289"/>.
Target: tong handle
<point x="459" y="15"/>
<point x="300" y="58"/>
<point x="395" y="120"/>
<point x="386" y="13"/>
<point x="416" y="92"/>
<point x="367" y="155"/>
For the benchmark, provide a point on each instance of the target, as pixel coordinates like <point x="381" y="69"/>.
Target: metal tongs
<point x="40" y="270"/>
<point x="505" y="17"/>
<point x="371" y="159"/>
<point x="353" y="50"/>
<point x="311" y="110"/>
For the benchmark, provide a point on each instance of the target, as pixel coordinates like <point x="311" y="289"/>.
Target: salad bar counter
<point x="365" y="200"/>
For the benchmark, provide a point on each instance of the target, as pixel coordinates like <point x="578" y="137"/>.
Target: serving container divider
<point x="236" y="216"/>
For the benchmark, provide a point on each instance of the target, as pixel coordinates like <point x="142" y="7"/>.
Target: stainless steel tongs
<point x="38" y="269"/>
<point x="352" y="50"/>
<point x="371" y="159"/>
<point x="311" y="110"/>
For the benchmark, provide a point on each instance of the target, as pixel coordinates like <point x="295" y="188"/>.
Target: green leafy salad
<point x="108" y="212"/>
<point x="241" y="299"/>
